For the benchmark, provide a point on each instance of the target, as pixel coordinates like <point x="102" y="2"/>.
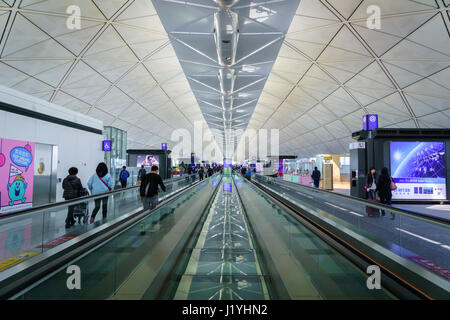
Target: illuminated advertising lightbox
<point x="147" y="160"/>
<point x="418" y="169"/>
<point x="16" y="175"/>
<point x="259" y="167"/>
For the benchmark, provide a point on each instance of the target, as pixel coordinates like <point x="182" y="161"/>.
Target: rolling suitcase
<point x="371" y="211"/>
<point x="81" y="211"/>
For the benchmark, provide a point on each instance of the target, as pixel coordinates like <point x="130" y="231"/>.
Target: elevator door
<point x="42" y="191"/>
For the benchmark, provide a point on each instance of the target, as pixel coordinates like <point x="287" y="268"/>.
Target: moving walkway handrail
<point x="377" y="205"/>
<point x="339" y="235"/>
<point x="20" y="276"/>
<point x="66" y="203"/>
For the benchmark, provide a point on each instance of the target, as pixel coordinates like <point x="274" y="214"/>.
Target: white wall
<point x="76" y="148"/>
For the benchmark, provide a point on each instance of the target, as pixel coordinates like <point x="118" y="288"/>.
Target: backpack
<point x="123" y="175"/>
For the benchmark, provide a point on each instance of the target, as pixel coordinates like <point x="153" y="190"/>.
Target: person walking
<point x="316" y="177"/>
<point x="123" y="176"/>
<point x="98" y="183"/>
<point x="181" y="170"/>
<point x="249" y="174"/>
<point x="385" y="184"/>
<point x="371" y="184"/>
<point x="149" y="188"/>
<point x="201" y="174"/>
<point x="142" y="172"/>
<point x="210" y="172"/>
<point x="72" y="189"/>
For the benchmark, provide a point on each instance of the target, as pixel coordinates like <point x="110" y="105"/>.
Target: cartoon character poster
<point x="16" y="175"/>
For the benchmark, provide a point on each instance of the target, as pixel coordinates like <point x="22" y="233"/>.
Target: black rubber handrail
<point x="369" y="203"/>
<point x="75" y="201"/>
<point x="26" y="276"/>
<point x="298" y="214"/>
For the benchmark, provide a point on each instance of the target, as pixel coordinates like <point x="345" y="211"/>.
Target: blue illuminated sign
<point x="164" y="146"/>
<point x="106" y="145"/>
<point x="370" y="122"/>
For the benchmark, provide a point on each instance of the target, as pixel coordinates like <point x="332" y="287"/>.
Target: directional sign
<point x="107" y="145"/>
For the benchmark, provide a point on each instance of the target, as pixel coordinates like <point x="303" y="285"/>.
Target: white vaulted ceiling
<point x="119" y="67"/>
<point x="332" y="69"/>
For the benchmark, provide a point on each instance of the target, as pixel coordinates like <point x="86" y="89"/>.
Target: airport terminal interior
<point x="225" y="150"/>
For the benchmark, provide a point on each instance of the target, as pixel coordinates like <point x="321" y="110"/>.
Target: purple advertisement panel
<point x="418" y="169"/>
<point x="16" y="175"/>
<point x="147" y="160"/>
<point x="373" y="122"/>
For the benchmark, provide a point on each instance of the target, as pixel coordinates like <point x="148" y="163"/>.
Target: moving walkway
<point x="227" y="238"/>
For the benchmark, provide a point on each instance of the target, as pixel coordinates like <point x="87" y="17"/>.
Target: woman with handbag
<point x="371" y="184"/>
<point x="385" y="185"/>
<point x="100" y="182"/>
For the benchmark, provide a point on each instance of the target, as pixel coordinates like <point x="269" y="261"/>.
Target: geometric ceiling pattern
<point x="227" y="49"/>
<point x="332" y="69"/>
<point x="119" y="67"/>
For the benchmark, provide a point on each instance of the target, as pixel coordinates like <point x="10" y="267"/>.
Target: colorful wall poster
<point x="418" y="169"/>
<point x="16" y="175"/>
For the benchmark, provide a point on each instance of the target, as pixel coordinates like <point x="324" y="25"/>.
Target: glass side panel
<point x="306" y="267"/>
<point x="424" y="242"/>
<point x="24" y="236"/>
<point x="105" y="268"/>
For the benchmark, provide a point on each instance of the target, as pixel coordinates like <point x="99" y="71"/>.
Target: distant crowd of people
<point x="378" y="188"/>
<point x="202" y="171"/>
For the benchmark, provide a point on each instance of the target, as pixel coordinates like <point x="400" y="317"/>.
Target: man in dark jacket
<point x="210" y="171"/>
<point x="384" y="188"/>
<point x="316" y="177"/>
<point x="201" y="173"/>
<point x="72" y="189"/>
<point x="149" y="188"/>
<point x="141" y="173"/>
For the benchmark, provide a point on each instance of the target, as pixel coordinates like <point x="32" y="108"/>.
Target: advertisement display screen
<point x="259" y="167"/>
<point x="418" y="169"/>
<point x="147" y="160"/>
<point x="16" y="175"/>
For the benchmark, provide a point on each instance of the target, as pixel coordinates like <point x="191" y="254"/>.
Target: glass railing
<point x="421" y="245"/>
<point x="301" y="265"/>
<point x="127" y="265"/>
<point x="31" y="232"/>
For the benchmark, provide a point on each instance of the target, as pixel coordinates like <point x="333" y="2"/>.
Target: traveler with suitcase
<point x="72" y="190"/>
<point x="385" y="185"/>
<point x="371" y="184"/>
